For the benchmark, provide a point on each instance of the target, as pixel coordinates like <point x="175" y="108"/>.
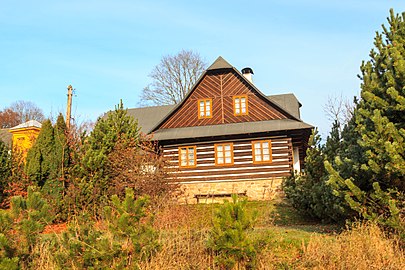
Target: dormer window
<point x="240" y="105"/>
<point x="204" y="108"/>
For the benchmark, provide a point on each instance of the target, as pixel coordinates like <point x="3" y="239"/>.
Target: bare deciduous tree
<point x="20" y="112"/>
<point x="172" y="78"/>
<point x="27" y="110"/>
<point x="338" y="108"/>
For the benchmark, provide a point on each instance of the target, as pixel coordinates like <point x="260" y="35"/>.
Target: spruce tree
<point x="62" y="150"/>
<point x="40" y="158"/>
<point x="54" y="187"/>
<point x="5" y="168"/>
<point x="309" y="192"/>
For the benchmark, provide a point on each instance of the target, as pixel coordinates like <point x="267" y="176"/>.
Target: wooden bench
<point x="218" y="195"/>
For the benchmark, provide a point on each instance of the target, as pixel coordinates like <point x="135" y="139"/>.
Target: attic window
<point x="204" y="108"/>
<point x="240" y="105"/>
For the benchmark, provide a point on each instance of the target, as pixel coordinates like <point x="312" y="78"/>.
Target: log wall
<point x="243" y="168"/>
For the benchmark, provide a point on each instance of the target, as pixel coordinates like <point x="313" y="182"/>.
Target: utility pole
<point x="69" y="106"/>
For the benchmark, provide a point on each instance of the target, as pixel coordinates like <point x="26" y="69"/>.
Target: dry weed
<point x="364" y="246"/>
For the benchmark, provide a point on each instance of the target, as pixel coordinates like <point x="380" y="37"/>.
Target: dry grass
<point x="365" y="246"/>
<point x="45" y="259"/>
<point x="182" y="249"/>
<point x="183" y="230"/>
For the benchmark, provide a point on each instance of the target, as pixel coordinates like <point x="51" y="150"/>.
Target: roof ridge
<point x="219" y="63"/>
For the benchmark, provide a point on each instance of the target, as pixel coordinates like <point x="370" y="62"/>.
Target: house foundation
<point x="211" y="192"/>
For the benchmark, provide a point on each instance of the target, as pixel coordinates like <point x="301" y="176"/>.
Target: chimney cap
<point x="247" y="70"/>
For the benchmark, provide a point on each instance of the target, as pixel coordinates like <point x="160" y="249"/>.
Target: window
<point x="261" y="151"/>
<point x="224" y="154"/>
<point x="240" y="105"/>
<point x="187" y="156"/>
<point x="204" y="108"/>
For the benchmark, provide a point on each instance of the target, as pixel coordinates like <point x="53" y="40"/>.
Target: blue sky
<point x="106" y="49"/>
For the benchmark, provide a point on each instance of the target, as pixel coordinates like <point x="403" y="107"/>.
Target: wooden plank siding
<point x="221" y="87"/>
<point x="243" y="167"/>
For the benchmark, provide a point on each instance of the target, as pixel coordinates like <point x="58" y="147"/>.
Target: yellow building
<point x="24" y="136"/>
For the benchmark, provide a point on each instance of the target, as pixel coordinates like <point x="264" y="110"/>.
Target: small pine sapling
<point x="229" y="239"/>
<point x="130" y="223"/>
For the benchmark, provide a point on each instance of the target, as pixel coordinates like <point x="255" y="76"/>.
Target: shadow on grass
<point x="284" y="215"/>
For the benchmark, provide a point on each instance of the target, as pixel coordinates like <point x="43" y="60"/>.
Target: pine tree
<point x="94" y="178"/>
<point x="380" y="115"/>
<point x="370" y="175"/>
<point x="229" y="239"/>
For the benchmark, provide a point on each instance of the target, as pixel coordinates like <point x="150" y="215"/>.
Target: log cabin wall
<point x="221" y="87"/>
<point x="243" y="167"/>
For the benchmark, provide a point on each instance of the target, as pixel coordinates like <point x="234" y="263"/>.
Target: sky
<point x="107" y="49"/>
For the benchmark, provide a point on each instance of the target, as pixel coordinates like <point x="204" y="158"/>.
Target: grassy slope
<point x="279" y="226"/>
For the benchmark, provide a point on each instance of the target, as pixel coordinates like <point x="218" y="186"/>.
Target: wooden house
<point x="227" y="137"/>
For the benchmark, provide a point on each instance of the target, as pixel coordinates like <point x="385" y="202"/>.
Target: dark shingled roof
<point x="288" y="102"/>
<point x="6" y="136"/>
<point x="229" y="129"/>
<point x="148" y="117"/>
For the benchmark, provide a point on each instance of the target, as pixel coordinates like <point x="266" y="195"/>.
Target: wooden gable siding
<point x="221" y="87"/>
<point x="243" y="167"/>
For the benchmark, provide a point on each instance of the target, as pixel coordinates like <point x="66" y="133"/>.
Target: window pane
<point x="265" y="145"/>
<point x="219" y="148"/>
<point x="227" y="147"/>
<point x="191" y="162"/>
<point x="228" y="160"/>
<point x="220" y="154"/>
<point x="220" y="161"/>
<point x="208" y="113"/>
<point x="257" y="145"/>
<point x="266" y="157"/>
<point x="258" y="151"/>
<point x="243" y="110"/>
<point x="228" y="154"/>
<point x="266" y="151"/>
<point x="258" y="157"/>
<point x="183" y="162"/>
